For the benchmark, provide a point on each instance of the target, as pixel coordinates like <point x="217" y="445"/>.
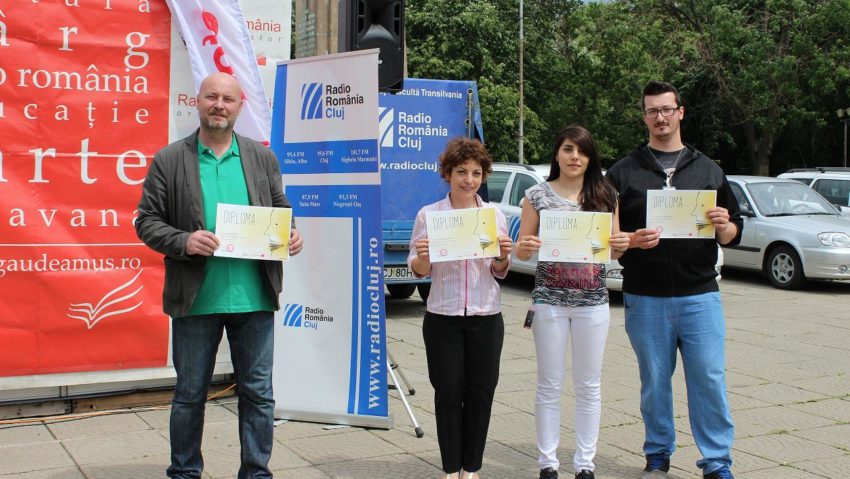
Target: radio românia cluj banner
<point x="331" y="363"/>
<point x="89" y="91"/>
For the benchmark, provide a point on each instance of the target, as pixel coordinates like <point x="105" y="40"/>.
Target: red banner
<point x="83" y="107"/>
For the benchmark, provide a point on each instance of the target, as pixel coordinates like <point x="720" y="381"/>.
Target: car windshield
<point x="787" y="199"/>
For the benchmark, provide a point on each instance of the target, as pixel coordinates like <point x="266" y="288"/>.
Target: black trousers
<point x="463" y="365"/>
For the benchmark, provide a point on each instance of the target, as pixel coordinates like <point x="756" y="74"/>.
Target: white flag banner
<point x="218" y="40"/>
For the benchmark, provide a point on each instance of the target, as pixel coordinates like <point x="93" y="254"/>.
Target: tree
<point x="765" y="66"/>
<point x="477" y="40"/>
<point x="761" y="79"/>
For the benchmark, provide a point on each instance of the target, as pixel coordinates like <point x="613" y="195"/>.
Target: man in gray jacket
<point x="205" y="294"/>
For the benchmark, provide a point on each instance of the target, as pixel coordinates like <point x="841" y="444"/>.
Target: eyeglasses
<point x="666" y="112"/>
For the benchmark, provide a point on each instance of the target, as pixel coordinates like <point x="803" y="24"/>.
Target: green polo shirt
<point x="230" y="285"/>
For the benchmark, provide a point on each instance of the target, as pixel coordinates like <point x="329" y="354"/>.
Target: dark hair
<point x="659" y="88"/>
<point x="460" y="150"/>
<point x="597" y="192"/>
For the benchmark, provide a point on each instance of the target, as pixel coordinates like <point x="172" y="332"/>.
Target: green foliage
<point x="761" y="79"/>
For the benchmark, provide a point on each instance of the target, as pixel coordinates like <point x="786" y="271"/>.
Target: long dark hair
<point x="597" y="192"/>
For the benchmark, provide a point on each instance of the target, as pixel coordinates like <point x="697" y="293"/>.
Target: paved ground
<point x="789" y="387"/>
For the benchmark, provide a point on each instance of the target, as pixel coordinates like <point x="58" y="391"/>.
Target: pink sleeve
<point x="419" y="232"/>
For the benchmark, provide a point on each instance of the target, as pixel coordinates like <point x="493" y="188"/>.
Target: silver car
<point x="791" y="232"/>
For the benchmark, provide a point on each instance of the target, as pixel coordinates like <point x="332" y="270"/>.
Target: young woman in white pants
<point x="570" y="301"/>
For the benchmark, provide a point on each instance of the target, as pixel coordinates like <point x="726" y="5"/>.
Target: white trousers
<point x="586" y="329"/>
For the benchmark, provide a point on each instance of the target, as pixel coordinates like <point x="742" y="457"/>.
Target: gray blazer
<point x="171" y="209"/>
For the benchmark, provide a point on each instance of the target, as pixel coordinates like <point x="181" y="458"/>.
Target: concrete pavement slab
<point x="32" y="457"/>
<point x="117" y="447"/>
<point x="64" y="473"/>
<point x="834" y="468"/>
<point x="401" y="465"/>
<point x="837" y="410"/>
<point x="150" y="466"/>
<point x="355" y="443"/>
<point x="98" y="426"/>
<point x="25" y="435"/>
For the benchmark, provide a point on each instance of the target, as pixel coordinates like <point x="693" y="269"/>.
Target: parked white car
<point x="791" y="232"/>
<point x="832" y="183"/>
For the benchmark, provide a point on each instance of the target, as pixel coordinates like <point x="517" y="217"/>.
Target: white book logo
<point x="91" y="315"/>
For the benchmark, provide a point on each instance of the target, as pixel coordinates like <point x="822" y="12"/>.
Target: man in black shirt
<point x="670" y="294"/>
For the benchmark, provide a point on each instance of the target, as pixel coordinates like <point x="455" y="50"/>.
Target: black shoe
<point x="657" y="466"/>
<point x="548" y="473"/>
<point x="585" y="474"/>
<point x="722" y="473"/>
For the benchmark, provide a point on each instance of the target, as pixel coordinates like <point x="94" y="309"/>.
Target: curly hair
<point x="460" y="150"/>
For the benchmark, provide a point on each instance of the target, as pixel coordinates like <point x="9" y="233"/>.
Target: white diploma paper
<point x="680" y="213"/>
<point x="462" y="234"/>
<point x="575" y="236"/>
<point x="253" y="232"/>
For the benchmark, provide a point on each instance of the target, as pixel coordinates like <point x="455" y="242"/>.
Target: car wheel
<point x="401" y="291"/>
<point x="424" y="291"/>
<point x="784" y="268"/>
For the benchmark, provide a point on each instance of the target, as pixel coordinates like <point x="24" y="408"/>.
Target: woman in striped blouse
<point x="463" y="328"/>
<point x="570" y="300"/>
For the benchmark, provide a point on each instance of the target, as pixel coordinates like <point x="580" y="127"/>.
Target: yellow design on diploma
<point x="575" y="236"/>
<point x="680" y="213"/>
<point x="253" y="232"/>
<point x="468" y="233"/>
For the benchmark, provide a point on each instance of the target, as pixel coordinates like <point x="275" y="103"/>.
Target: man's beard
<point x="667" y="134"/>
<point x="218" y="125"/>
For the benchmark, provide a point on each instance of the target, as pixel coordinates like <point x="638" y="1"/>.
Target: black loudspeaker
<point x="367" y="24"/>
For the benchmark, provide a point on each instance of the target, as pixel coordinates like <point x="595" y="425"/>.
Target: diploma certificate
<point x="575" y="236"/>
<point x="680" y="213"/>
<point x="469" y="233"/>
<point x="253" y="232"/>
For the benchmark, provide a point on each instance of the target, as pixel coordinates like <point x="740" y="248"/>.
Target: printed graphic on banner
<point x="680" y="213"/>
<point x="253" y="232"/>
<point x="270" y="29"/>
<point x="292" y="314"/>
<point x="343" y="215"/>
<point x="271" y="40"/>
<point x="217" y="38"/>
<point x="414" y="127"/>
<point x="84" y="102"/>
<point x="468" y="233"/>
<point x="322" y="123"/>
<point x="575" y="236"/>
<point x="325" y="121"/>
<point x="311" y="101"/>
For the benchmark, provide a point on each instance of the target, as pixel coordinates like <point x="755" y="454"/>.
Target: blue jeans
<point x="194" y="344"/>
<point x="657" y="327"/>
